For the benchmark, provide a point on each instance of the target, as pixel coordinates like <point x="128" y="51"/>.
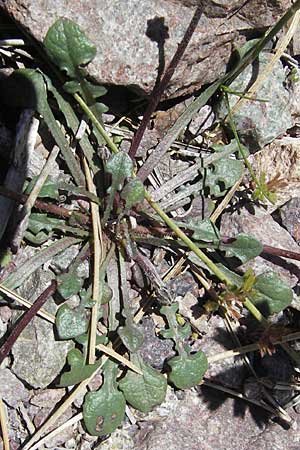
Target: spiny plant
<point x="117" y="193"/>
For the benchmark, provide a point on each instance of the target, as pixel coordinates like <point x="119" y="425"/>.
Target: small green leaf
<point x="187" y="370"/>
<point x="272" y="294"/>
<point x="69" y="284"/>
<point x="68" y="46"/>
<point x="204" y="230"/>
<point x="37" y="239"/>
<point x="107" y="293"/>
<point x="71" y="87"/>
<point x="71" y="322"/>
<point x="177" y="332"/>
<point x="233" y="146"/>
<point x="95" y="90"/>
<point x="104" y="411"/>
<point x="131" y="336"/>
<point x="39" y="222"/>
<point x="120" y="167"/>
<point x="83" y="340"/>
<point x="143" y="392"/>
<point x="49" y="189"/>
<point x="243" y="247"/>
<point x="223" y="175"/>
<point x="133" y="192"/>
<point x="79" y="371"/>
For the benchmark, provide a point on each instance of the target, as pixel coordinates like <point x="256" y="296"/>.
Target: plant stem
<point x="47" y="207"/>
<point x="191" y="245"/>
<point x="240" y="147"/>
<point x="158" y="91"/>
<point x="96" y="123"/>
<point x="26" y="318"/>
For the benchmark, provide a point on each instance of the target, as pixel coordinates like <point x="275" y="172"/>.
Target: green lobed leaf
<point x="204" y="230"/>
<point x="71" y="322"/>
<point x="187" y="370"/>
<point x="79" y="371"/>
<point x="69" y="284"/>
<point x="243" y="247"/>
<point x="233" y="146"/>
<point x="133" y="192"/>
<point x="143" y="392"/>
<point x="223" y="175"/>
<point x="39" y="222"/>
<point x="131" y="336"/>
<point x="176" y="331"/>
<point x="104" y="410"/>
<point x="68" y="46"/>
<point x="120" y="167"/>
<point x="272" y="294"/>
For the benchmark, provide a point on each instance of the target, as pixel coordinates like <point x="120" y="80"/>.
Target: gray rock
<point x="65" y="257"/>
<point x="264" y="228"/>
<point x="155" y="351"/>
<point x="38" y="357"/>
<point x="290" y="216"/>
<point x="203" y="421"/>
<point x="259" y="123"/>
<point x="12" y="390"/>
<point x="120" y="30"/>
<point x="230" y="372"/>
<point x="47" y="398"/>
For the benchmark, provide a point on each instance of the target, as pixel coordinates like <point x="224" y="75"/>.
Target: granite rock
<point x="133" y="38"/>
<point x="38" y="356"/>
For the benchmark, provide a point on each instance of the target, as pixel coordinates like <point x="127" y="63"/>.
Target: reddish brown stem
<point x="158" y="91"/>
<point x="281" y="252"/>
<point x="43" y="206"/>
<point x="163" y="232"/>
<point x="26" y="318"/>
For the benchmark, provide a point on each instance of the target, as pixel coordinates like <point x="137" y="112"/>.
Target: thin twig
<point x="218" y="211"/>
<point x="14" y="296"/>
<point x="239" y="395"/>
<point x="280" y="48"/>
<point x="32" y="197"/>
<point x="250" y="348"/>
<point x="47" y="207"/>
<point x="109" y="351"/>
<point x="57" y="430"/>
<point x="3" y="424"/>
<point x="158" y="91"/>
<point x="26" y="318"/>
<point x="98" y="257"/>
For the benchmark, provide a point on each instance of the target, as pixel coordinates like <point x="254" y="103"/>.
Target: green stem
<point x="240" y="147"/>
<point x="256" y="313"/>
<point x="191" y="245"/>
<point x="97" y="124"/>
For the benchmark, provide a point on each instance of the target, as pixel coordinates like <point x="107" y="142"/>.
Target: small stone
<point x="266" y="230"/>
<point x="47" y="398"/>
<point x="290" y="216"/>
<point x="38" y="356"/>
<point x="12" y="389"/>
<point x="154" y="351"/>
